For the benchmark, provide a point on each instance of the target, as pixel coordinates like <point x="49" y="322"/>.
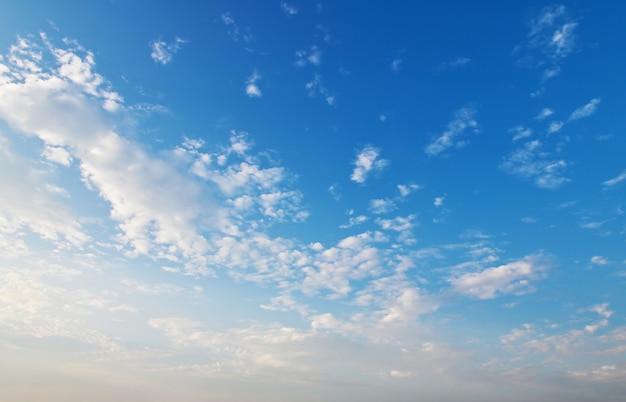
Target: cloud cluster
<point x="367" y="161"/>
<point x="163" y="52"/>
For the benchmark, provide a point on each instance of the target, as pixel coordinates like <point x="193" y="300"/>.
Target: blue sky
<point x="278" y="201"/>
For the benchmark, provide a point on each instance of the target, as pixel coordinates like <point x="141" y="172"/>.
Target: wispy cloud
<point x="552" y="31"/>
<point x="317" y="87"/>
<point x="531" y="162"/>
<point x="163" y="52"/>
<point x="456" y="63"/>
<point x="288" y="9"/>
<point x="234" y="31"/>
<point x="312" y="56"/>
<point x="615" y="180"/>
<point x="520" y="132"/>
<point x="367" y="161"/>
<point x="551" y="38"/>
<point x="463" y="120"/>
<point x="396" y="65"/>
<point x="585" y="110"/>
<point x="252" y="89"/>
<point x="545" y="112"/>
<point x="555" y="126"/>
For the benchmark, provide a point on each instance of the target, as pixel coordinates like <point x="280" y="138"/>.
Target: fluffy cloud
<point x="382" y="205"/>
<point x="462" y="121"/>
<point x="514" y="277"/>
<point x="367" y="161"/>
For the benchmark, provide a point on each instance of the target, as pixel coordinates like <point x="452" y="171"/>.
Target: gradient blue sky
<point x="338" y="201"/>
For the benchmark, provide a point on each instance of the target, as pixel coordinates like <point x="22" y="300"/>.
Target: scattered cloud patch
<point x="312" y="56"/>
<point x="545" y="112"/>
<point x="288" y="9"/>
<point x="520" y="132"/>
<point x="234" y="31"/>
<point x="408" y="189"/>
<point x="367" y="161"/>
<point x="316" y="87"/>
<point x="463" y="120"/>
<point x="252" y="89"/>
<point x="456" y="63"/>
<point x="599" y="260"/>
<point x="396" y="65"/>
<point x="552" y="32"/>
<point x="585" y="110"/>
<point x="512" y="278"/>
<point x="439" y="201"/>
<point x="163" y="52"/>
<point x="382" y="206"/>
<point x="531" y="162"/>
<point x="555" y="127"/>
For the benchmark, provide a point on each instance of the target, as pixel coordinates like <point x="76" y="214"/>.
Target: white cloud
<point x="407" y="189"/>
<point x="555" y="126"/>
<point x="585" y="110"/>
<point x="439" y="201"/>
<point x="463" y="120"/>
<point x="252" y="89"/>
<point x="163" y="52"/>
<point x="599" y="260"/>
<point x="354" y="221"/>
<point x="520" y="132"/>
<point x="58" y="155"/>
<point x="615" y="180"/>
<point x="552" y="32"/>
<point x="316" y="87"/>
<point x="288" y="9"/>
<point x="367" y="161"/>
<point x="545" y="112"/>
<point x="311" y="56"/>
<point x="550" y="73"/>
<point x="514" y="277"/>
<point x="382" y="206"/>
<point x="531" y="162"/>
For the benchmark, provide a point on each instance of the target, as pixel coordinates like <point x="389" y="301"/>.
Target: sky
<point x="338" y="200"/>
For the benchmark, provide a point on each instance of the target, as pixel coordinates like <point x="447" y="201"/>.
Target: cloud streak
<point x="462" y="121"/>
